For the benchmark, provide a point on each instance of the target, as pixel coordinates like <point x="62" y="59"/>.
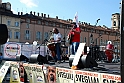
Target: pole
<point x="121" y="41"/>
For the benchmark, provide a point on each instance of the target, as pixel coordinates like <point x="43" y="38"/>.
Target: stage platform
<point x="103" y="67"/>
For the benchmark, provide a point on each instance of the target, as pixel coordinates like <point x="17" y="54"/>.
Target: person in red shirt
<point x="109" y="51"/>
<point x="74" y="38"/>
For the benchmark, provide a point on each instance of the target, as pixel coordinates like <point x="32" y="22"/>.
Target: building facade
<point x="37" y="27"/>
<point x="11" y="20"/>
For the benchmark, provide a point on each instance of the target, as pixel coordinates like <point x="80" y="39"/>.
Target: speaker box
<point x="22" y="58"/>
<point x="3" y="34"/>
<point x="84" y="62"/>
<point x="36" y="58"/>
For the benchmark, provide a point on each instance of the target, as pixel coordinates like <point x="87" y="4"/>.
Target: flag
<point x="76" y="19"/>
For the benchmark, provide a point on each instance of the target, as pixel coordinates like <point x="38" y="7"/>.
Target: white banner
<point x="110" y="78"/>
<point x="86" y="77"/>
<point x="64" y="75"/>
<point x="11" y="50"/>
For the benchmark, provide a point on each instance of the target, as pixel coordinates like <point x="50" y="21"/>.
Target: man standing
<point x="57" y="40"/>
<point x="74" y="38"/>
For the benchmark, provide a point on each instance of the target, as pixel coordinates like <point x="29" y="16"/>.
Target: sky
<point x="88" y="10"/>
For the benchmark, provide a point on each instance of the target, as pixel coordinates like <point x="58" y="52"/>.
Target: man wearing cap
<point x="74" y="38"/>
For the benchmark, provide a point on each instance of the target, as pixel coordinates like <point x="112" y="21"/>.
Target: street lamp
<point x="92" y="29"/>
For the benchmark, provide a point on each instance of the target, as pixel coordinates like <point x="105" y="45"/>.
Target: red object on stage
<point x="109" y="52"/>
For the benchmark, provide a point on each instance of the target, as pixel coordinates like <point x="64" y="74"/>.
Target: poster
<point x="12" y="49"/>
<point x="40" y="74"/>
<point x="110" y="78"/>
<point x="14" y="73"/>
<point x="22" y="73"/>
<point x="4" y="69"/>
<point x="50" y="74"/>
<point x="26" y="68"/>
<point x="64" y="75"/>
<point x="86" y="77"/>
<point x="31" y="72"/>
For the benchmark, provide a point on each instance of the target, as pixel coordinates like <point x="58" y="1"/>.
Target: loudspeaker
<point x="36" y="58"/>
<point x="3" y="34"/>
<point x="84" y="62"/>
<point x="21" y="58"/>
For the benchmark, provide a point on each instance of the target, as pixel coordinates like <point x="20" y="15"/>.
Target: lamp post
<point x="92" y="30"/>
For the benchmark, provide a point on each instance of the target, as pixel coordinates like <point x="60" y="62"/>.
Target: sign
<point x="40" y="75"/>
<point x="64" y="75"/>
<point x="86" y="77"/>
<point x="110" y="78"/>
<point x="11" y="50"/>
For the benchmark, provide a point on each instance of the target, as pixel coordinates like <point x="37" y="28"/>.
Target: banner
<point x="14" y="73"/>
<point x="110" y="78"/>
<point x="4" y="69"/>
<point x="31" y="72"/>
<point x="11" y="49"/>
<point x="39" y="74"/>
<point x="28" y="50"/>
<point x="86" y="77"/>
<point x="51" y="74"/>
<point x="64" y="75"/>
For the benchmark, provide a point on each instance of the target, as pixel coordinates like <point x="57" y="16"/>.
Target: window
<point x="17" y="35"/>
<point x="114" y="23"/>
<point x="46" y="36"/>
<point x="96" y="41"/>
<point x="91" y="40"/>
<point x="81" y="39"/>
<point x="46" y="23"/>
<point x="10" y="34"/>
<point x="16" y="24"/>
<point x="8" y="22"/>
<point x="85" y="39"/>
<point x="27" y="34"/>
<point x="28" y="20"/>
<point x="38" y="35"/>
<point x="101" y="42"/>
<point x="27" y="25"/>
<point x="39" y="22"/>
<point x="85" y="29"/>
<point x="61" y="25"/>
<point x="54" y="24"/>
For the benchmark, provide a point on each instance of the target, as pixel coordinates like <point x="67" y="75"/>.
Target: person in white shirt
<point x="57" y="40"/>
